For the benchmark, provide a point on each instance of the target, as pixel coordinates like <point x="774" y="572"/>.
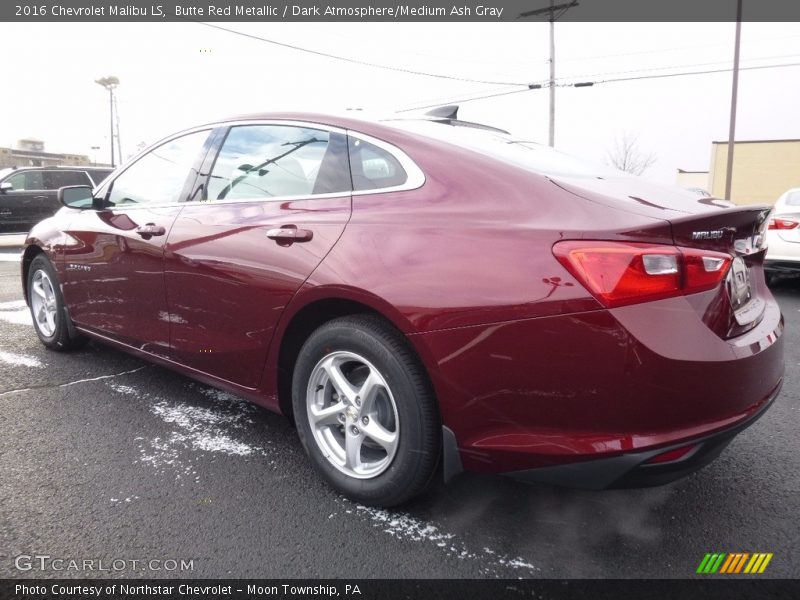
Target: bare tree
<point x="627" y="156"/>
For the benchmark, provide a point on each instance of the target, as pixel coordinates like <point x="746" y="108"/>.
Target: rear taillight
<point x="620" y="273"/>
<point x="778" y="223"/>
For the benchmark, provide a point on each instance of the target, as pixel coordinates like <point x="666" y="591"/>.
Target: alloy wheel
<point x="43" y="303"/>
<point x="353" y="415"/>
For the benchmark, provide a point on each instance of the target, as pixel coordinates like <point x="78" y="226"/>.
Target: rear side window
<point x="272" y="161"/>
<point x="373" y="167"/>
<point x="57" y="179"/>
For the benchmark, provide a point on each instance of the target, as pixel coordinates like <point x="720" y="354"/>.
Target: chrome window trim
<point x="415" y="178"/>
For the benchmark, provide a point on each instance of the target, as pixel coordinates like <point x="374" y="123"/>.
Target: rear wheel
<point x="50" y="319"/>
<point x="365" y="411"/>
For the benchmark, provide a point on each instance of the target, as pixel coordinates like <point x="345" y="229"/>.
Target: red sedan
<point x="424" y="296"/>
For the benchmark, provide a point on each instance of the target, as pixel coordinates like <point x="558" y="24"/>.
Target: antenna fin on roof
<point x="444" y="112"/>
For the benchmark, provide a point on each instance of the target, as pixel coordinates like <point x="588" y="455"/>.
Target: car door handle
<point x="288" y="235"/>
<point x="149" y="230"/>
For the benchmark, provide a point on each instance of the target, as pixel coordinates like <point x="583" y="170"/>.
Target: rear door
<point x="114" y="257"/>
<point x="265" y="212"/>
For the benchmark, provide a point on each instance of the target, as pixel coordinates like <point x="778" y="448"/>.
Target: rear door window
<point x="58" y="179"/>
<point x="273" y="161"/>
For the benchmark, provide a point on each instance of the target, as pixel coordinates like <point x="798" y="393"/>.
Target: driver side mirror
<point x="76" y="196"/>
<point x="6" y="187"/>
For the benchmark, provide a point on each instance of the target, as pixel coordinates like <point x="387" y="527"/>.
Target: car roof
<point x="56" y="167"/>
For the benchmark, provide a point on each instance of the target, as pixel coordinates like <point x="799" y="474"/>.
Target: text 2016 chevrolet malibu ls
<point x="425" y="296"/>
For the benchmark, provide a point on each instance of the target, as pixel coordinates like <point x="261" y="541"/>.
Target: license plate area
<point x="747" y="308"/>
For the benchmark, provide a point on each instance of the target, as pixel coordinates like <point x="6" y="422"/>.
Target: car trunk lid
<point x="703" y="223"/>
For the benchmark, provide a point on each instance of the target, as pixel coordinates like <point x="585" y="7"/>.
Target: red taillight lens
<point x="778" y="223"/>
<point x="620" y="273"/>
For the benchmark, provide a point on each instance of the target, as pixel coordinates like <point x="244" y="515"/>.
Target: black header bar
<point x="415" y="11"/>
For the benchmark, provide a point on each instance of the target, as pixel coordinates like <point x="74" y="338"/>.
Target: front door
<point x="114" y="257"/>
<point x="272" y="205"/>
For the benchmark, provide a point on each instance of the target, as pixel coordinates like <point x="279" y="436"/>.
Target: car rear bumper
<point x="561" y="394"/>
<point x="633" y="470"/>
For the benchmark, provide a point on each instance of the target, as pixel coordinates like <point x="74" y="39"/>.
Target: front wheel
<point x="365" y="411"/>
<point x="50" y="318"/>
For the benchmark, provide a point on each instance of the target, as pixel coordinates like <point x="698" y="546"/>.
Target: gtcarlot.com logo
<point x="732" y="563"/>
<point x="45" y="562"/>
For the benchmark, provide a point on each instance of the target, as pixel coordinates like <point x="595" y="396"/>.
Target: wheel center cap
<point x="352" y="413"/>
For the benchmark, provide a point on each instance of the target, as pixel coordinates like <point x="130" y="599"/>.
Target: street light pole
<point x="734" y="94"/>
<point x="110" y="83"/>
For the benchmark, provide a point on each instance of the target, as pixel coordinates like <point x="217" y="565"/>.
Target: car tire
<point x="379" y="450"/>
<point x="50" y="317"/>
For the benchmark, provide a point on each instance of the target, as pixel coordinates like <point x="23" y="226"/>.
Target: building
<point x="762" y="170"/>
<point x="30" y="153"/>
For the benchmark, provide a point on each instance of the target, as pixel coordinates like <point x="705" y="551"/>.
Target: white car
<point x="783" y="235"/>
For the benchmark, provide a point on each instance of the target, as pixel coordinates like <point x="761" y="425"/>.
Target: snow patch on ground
<point x="195" y="428"/>
<point x="404" y="526"/>
<point x="19" y="360"/>
<point x="123" y="389"/>
<point x="203" y="428"/>
<point x="15" y="312"/>
<point x="10" y="256"/>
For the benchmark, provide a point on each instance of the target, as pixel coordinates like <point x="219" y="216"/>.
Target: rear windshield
<point x="521" y="153"/>
<point x="793" y="198"/>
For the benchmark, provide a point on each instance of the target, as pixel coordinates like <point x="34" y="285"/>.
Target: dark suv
<point x="28" y="194"/>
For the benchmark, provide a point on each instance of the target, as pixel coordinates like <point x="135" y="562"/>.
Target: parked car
<point x="783" y="236"/>
<point x="425" y="296"/>
<point x="28" y="194"/>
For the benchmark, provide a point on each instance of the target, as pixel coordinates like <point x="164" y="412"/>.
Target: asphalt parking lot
<point x="103" y="456"/>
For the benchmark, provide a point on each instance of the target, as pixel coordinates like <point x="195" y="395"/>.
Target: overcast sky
<point x="176" y="75"/>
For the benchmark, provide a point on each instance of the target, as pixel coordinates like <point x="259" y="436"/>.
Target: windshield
<point x="521" y="153"/>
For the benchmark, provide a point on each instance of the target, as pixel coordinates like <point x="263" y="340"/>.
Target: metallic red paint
<point x="529" y="369"/>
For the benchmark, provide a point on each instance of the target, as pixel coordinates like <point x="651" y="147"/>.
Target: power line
<point x="662" y="50"/>
<point x="462" y="100"/>
<point x="544" y="84"/>
<point x="357" y="61"/>
<point x="664" y="68"/>
<point x="683" y="74"/>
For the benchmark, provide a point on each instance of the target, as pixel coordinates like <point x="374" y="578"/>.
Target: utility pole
<point x="551" y="11"/>
<point x="734" y="94"/>
<point x="110" y="83"/>
<point x="552" y="132"/>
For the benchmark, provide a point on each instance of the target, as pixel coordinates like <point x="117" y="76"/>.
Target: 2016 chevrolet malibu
<point x="424" y="296"/>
